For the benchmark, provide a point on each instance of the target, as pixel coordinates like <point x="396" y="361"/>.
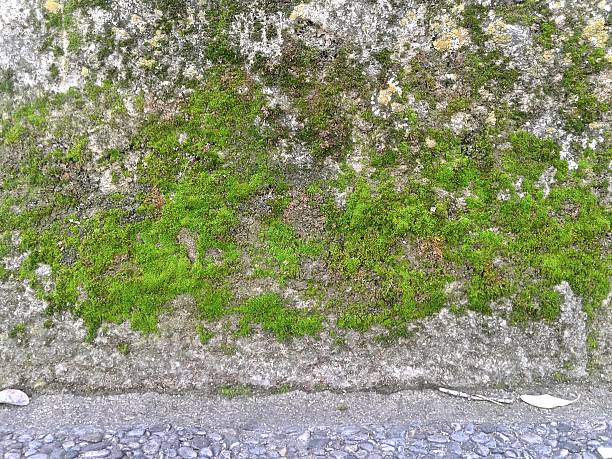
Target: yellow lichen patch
<point x="548" y="57"/>
<point x="157" y="38"/>
<point x="449" y="36"/>
<point x="498" y="30"/>
<point x="397" y="107"/>
<point x="409" y="18"/>
<point x="298" y="12"/>
<point x="596" y="32"/>
<point x="491" y="119"/>
<point x="146" y="63"/>
<point x="53" y="7"/>
<point x="385" y="95"/>
<point x="138" y="22"/>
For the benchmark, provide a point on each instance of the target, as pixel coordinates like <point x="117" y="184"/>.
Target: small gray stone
<point x="187" y="453"/>
<point x="92" y="437"/>
<point x="437" y="438"/>
<point x="96" y="446"/>
<point x="136" y="432"/>
<point x="571" y="446"/>
<point x="68" y="444"/>
<point x="152" y="446"/>
<point x="318" y="443"/>
<point x="14" y="397"/>
<point x="531" y="438"/>
<point x="58" y="453"/>
<point x="206" y="452"/>
<point x="96" y="453"/>
<point x="460" y="436"/>
<point x="480" y="437"/>
<point x="200" y="442"/>
<point x="455" y="448"/>
<point x="158" y="428"/>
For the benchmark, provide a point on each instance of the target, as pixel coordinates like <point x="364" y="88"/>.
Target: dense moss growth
<point x="411" y="243"/>
<point x="586" y="60"/>
<point x="127" y="270"/>
<point x="395" y="217"/>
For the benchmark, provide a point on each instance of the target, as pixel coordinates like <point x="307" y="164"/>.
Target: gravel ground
<point x="578" y="439"/>
<point x="297" y="424"/>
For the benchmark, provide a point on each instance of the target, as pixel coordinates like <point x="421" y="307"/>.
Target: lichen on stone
<point x="265" y="180"/>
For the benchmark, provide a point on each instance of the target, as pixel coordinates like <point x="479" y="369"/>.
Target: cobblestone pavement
<point x="575" y="439"/>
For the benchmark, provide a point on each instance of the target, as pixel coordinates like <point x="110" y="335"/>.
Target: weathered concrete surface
<point x="297" y="409"/>
<point x="467" y="350"/>
<point x="145" y="48"/>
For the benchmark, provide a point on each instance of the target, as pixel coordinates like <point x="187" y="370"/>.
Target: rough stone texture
<point x="414" y="439"/>
<point x="50" y="359"/>
<point x="152" y="51"/>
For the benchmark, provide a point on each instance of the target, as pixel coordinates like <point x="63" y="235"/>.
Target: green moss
<point x="322" y="92"/>
<point x="123" y="348"/>
<point x="285" y="250"/>
<point x="215" y="120"/>
<point x="533" y="248"/>
<point x="131" y="270"/>
<point x="18" y="332"/>
<point x="235" y="391"/>
<point x="7" y="83"/>
<point x="390" y="252"/>
<point x="490" y="70"/>
<point x="457" y="104"/>
<point x="592" y="344"/>
<point x="473" y="16"/>
<point x="269" y="311"/>
<point x="72" y="5"/>
<point x="74" y="41"/>
<point x="54" y="71"/>
<point x="585" y="61"/>
<point x="219" y="48"/>
<point x="26" y="118"/>
<point x="527" y="13"/>
<point x="546" y="34"/>
<point x="204" y="335"/>
<point x="213" y="303"/>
